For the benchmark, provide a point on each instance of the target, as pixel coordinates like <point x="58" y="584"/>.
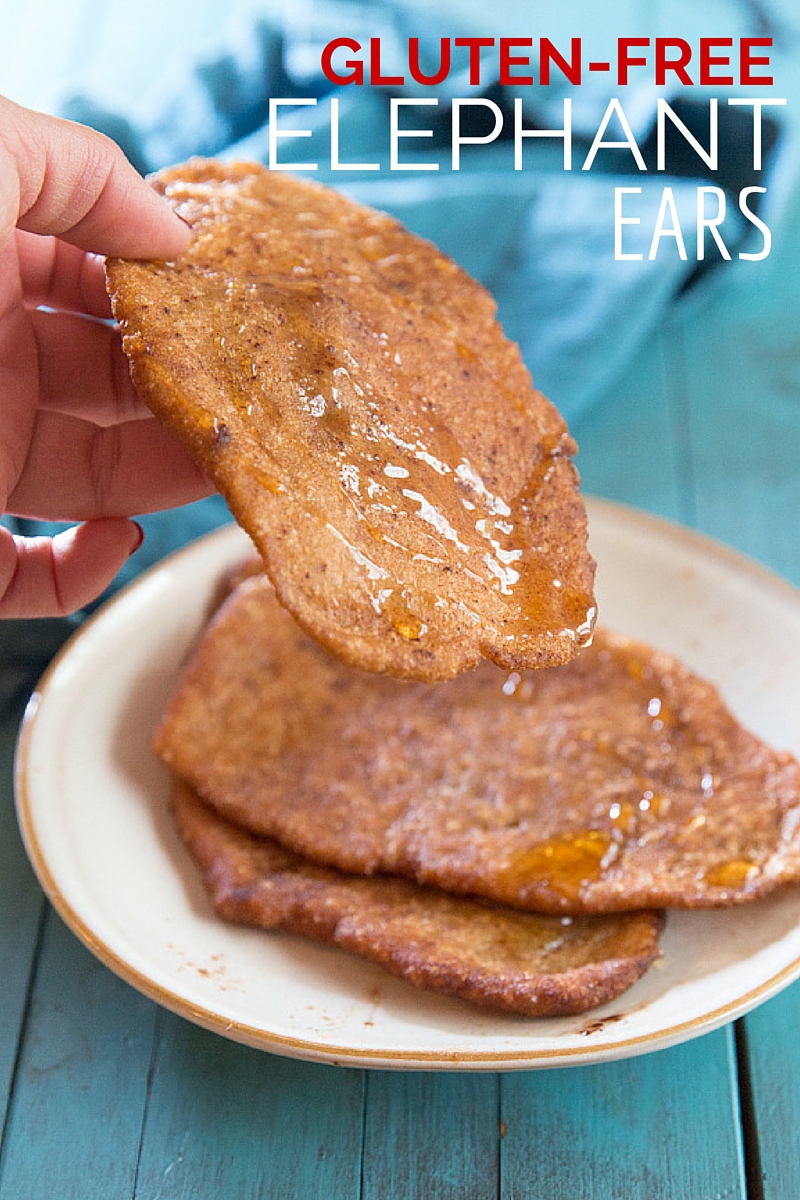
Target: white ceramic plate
<point x="92" y="804"/>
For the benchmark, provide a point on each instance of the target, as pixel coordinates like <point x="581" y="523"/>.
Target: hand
<point x="76" y="443"/>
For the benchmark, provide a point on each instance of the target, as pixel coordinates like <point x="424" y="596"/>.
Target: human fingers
<point x="83" y="371"/>
<point x="60" y="178"/>
<point x="76" y="471"/>
<point x="44" y="577"/>
<point x="61" y="276"/>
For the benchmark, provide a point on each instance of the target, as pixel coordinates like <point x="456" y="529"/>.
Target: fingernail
<point x="188" y="229"/>
<point x="139" y="538"/>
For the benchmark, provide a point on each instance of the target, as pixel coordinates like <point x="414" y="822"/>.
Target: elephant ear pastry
<point x="350" y="392"/>
<point x="506" y="961"/>
<point x="619" y="781"/>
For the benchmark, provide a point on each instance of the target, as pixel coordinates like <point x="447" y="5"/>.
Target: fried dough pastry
<point x="349" y="391"/>
<point x="507" y="961"/>
<point x="617" y="782"/>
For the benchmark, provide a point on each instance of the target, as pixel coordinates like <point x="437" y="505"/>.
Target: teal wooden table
<point x="104" y="1096"/>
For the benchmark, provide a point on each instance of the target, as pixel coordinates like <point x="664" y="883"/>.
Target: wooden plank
<point x="226" y="1121"/>
<point x="772" y="1064"/>
<point x="431" y="1136"/>
<point x="76" y="1112"/>
<point x="744" y="416"/>
<point x="739" y="348"/>
<point x="661" y="1126"/>
<point x="21" y="905"/>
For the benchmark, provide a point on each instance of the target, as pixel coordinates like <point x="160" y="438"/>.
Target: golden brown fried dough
<point x="349" y="391"/>
<point x="617" y="782"/>
<point x="494" y="957"/>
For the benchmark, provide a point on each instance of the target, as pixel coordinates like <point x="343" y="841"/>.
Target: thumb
<point x="60" y="178"/>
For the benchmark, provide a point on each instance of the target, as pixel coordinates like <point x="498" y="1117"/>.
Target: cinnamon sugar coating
<point x="620" y="781"/>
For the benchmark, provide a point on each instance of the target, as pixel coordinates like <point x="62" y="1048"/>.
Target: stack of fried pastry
<point x="506" y="833"/>
<point x="506" y="837"/>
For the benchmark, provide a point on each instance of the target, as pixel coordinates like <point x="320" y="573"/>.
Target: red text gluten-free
<point x="528" y="61"/>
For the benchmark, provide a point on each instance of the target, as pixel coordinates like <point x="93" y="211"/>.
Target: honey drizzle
<point x="733" y="873"/>
<point x="562" y="865"/>
<point x="439" y="503"/>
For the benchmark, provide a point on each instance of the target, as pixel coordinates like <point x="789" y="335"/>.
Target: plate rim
<point x="325" y="1052"/>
